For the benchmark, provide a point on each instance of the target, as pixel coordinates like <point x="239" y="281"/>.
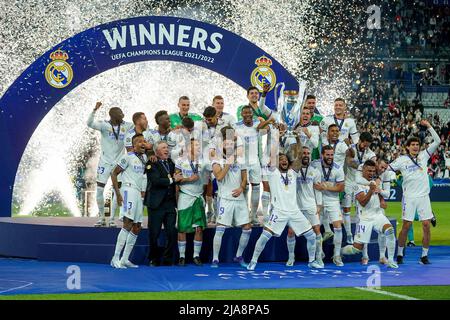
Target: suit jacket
<point x="159" y="185"/>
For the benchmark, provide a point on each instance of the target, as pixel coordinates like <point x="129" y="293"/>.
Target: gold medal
<point x="286" y="187"/>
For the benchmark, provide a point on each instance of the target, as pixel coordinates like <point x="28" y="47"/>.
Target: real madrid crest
<point x="263" y="73"/>
<point x="59" y="73"/>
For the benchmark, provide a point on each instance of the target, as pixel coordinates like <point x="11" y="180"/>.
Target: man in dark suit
<point x="160" y="200"/>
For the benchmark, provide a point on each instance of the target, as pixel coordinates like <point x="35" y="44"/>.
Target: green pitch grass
<point x="417" y="292"/>
<point x="440" y="235"/>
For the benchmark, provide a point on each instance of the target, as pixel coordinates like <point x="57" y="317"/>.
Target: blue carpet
<point x="19" y="276"/>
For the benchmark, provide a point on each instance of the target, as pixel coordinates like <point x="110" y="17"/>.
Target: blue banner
<point x="89" y="53"/>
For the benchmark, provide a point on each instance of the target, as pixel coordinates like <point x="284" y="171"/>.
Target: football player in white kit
<point x="248" y="129"/>
<point x="190" y="203"/>
<point x="178" y="139"/>
<point x="130" y="200"/>
<point x="232" y="206"/>
<point x="140" y="127"/>
<point x="161" y="132"/>
<point x="283" y="188"/>
<point x="307" y="199"/>
<point x="112" y="148"/>
<point x="340" y="153"/>
<point x="416" y="190"/>
<point x="347" y="126"/>
<point x="383" y="179"/>
<point x="357" y="155"/>
<point x="332" y="183"/>
<point x="370" y="205"/>
<point x="210" y="128"/>
<point x="226" y="118"/>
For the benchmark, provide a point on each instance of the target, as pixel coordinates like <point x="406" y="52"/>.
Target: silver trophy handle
<point x="302" y="85"/>
<point x="275" y="94"/>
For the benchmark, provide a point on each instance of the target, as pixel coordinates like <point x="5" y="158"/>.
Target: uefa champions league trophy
<point x="289" y="106"/>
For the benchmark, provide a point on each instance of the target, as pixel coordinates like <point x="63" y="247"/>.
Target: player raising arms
<point x="248" y="129"/>
<point x="416" y="190"/>
<point x="112" y="148"/>
<point x="134" y="183"/>
<point x="283" y="188"/>
<point x="231" y="180"/>
<point x="370" y="206"/>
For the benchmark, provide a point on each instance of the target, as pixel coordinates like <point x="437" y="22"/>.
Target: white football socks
<point x="182" y="248"/>
<point x="337" y="241"/>
<point x="382" y="245"/>
<point x="121" y="240"/>
<point x="100" y="202"/>
<point x="290" y="241"/>
<point x="311" y="244"/>
<point x="197" y="248"/>
<point x="217" y="242"/>
<point x="260" y="244"/>
<point x="131" y="240"/>
<point x="243" y="241"/>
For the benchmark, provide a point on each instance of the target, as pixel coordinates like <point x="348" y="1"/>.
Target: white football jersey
<point x="179" y="139"/>
<point x="227" y="119"/>
<point x="334" y="176"/>
<point x="311" y="143"/>
<point x="250" y="138"/>
<point x="359" y="158"/>
<point x="112" y="138"/>
<point x="231" y="181"/>
<point x="306" y="195"/>
<point x="340" y="149"/>
<point x="385" y="178"/>
<point x="415" y="171"/>
<point x="283" y="189"/>
<point x="156" y="136"/>
<point x="415" y="174"/>
<point x="347" y="128"/>
<point x="133" y="166"/>
<point x="189" y="168"/>
<point x="372" y="207"/>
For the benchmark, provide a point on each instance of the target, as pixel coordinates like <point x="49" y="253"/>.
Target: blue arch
<point x="110" y="45"/>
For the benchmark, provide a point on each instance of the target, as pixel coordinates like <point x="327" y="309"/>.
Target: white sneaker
<point x="327" y="235"/>
<point x="383" y="260"/>
<point x="112" y="224"/>
<point x="100" y="223"/>
<point x="115" y="263"/>
<point x="290" y="263"/>
<point x="251" y="266"/>
<point x="365" y="261"/>
<point x="320" y="262"/>
<point x="392" y="264"/>
<point x="315" y="265"/>
<point x="349" y="239"/>
<point x="128" y="264"/>
<point x="337" y="260"/>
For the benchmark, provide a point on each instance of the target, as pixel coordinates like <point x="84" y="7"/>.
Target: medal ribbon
<point x="116" y="134"/>
<point x="327" y="174"/>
